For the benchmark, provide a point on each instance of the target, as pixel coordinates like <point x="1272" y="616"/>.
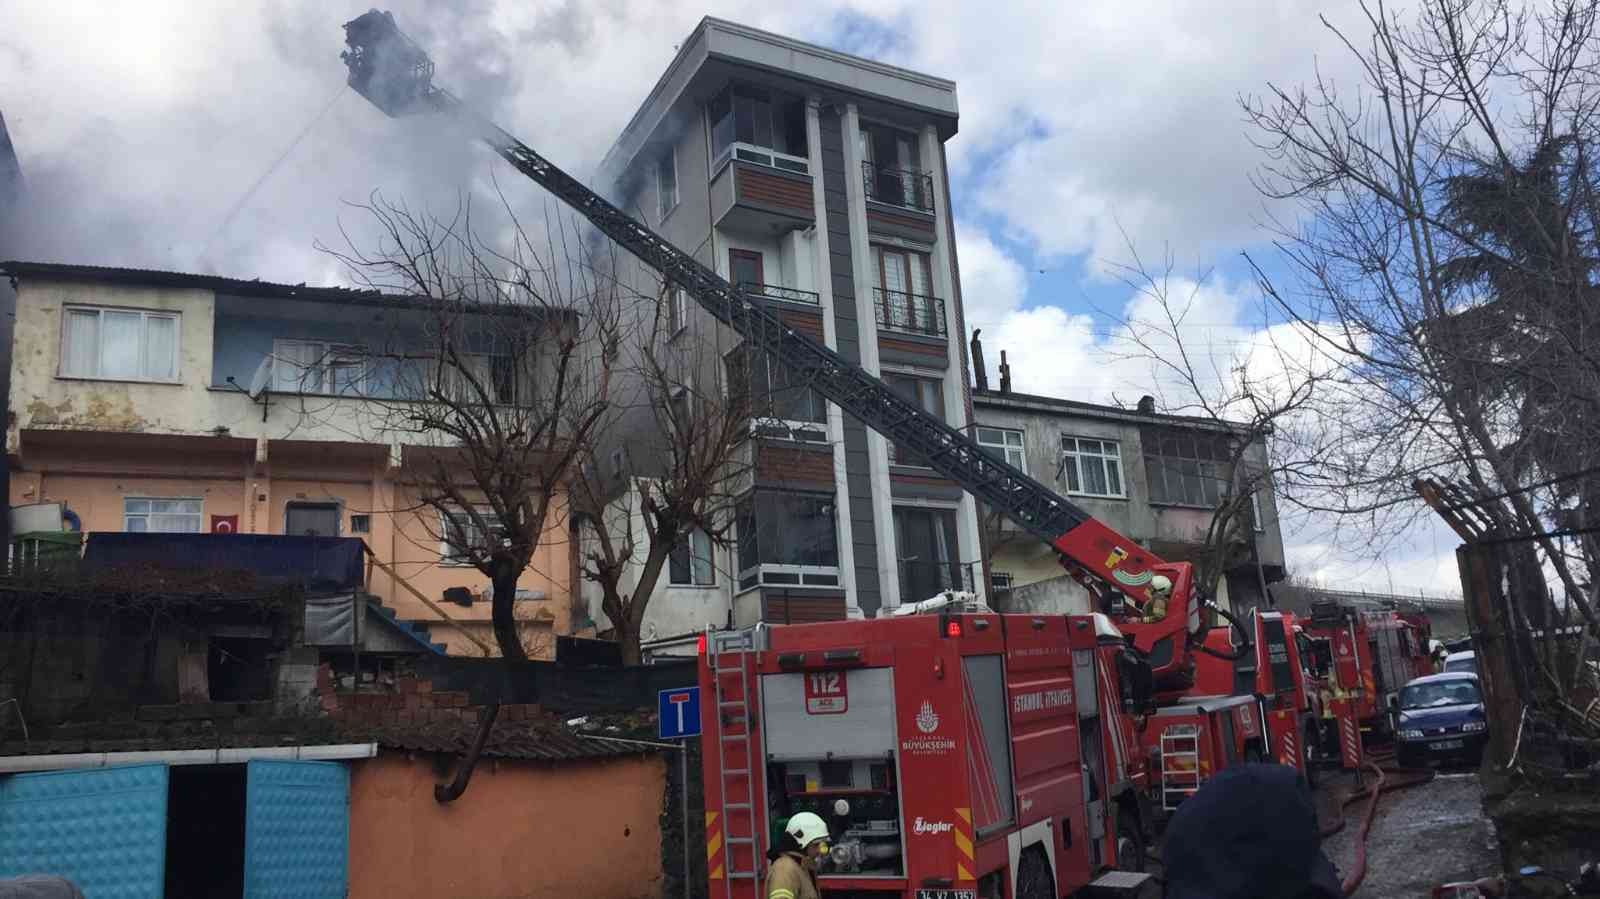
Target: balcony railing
<point x="913" y="313"/>
<point x="898" y="187"/>
<point x="778" y="292"/>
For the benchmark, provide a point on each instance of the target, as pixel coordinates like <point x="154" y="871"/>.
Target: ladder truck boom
<point x="396" y="75"/>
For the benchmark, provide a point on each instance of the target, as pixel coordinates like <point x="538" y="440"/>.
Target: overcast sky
<point x="142" y="129"/>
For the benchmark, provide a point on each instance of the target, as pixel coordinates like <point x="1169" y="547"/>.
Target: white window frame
<point x="448" y="558"/>
<point x="199" y="516"/>
<point x="710" y="556"/>
<point x="1007" y="449"/>
<point x="1073" y="457"/>
<point x="663" y="208"/>
<point x="677" y="312"/>
<point x="328" y="352"/>
<point x="144" y="317"/>
<point x="1255" y="511"/>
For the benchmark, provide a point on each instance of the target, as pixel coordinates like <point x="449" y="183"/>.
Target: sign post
<point x="678" y="718"/>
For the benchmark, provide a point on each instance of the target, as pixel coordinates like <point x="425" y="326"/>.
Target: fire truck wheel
<point x="1130" y="844"/>
<point x="1034" y="880"/>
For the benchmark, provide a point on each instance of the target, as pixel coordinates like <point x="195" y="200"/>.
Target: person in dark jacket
<point x="1251" y="832"/>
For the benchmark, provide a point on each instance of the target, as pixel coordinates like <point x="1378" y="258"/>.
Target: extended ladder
<point x="1180" y="764"/>
<point x="737" y="753"/>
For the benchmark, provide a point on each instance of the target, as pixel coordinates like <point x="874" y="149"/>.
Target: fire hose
<point x="1386" y="779"/>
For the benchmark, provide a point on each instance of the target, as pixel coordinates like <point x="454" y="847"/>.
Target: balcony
<point x="784" y="294"/>
<point x="909" y="313"/>
<point x="905" y="188"/>
<point x="769" y="195"/>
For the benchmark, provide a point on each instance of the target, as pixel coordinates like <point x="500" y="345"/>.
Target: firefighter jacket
<point x="789" y="878"/>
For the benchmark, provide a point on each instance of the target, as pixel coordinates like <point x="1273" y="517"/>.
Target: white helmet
<point x="806" y="828"/>
<point x="1160" y="584"/>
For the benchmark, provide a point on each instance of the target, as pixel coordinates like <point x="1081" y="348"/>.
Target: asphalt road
<point x="1421" y="837"/>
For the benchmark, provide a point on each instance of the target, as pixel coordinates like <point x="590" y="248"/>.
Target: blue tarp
<point x="319" y="564"/>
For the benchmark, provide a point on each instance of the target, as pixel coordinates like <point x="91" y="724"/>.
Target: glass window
<point x="771" y="390"/>
<point x="690" y="563"/>
<point x="666" y="183"/>
<point x="928" y="557"/>
<point x="1091" y="467"/>
<point x="927" y="394"/>
<point x="677" y="314"/>
<point x="314" y="366"/>
<point x="1187" y="467"/>
<point x="120" y="344"/>
<point x="460" y="536"/>
<point x="745" y="268"/>
<point x="757" y="117"/>
<point x="1003" y="444"/>
<point x="143" y="515"/>
<point x="782" y="528"/>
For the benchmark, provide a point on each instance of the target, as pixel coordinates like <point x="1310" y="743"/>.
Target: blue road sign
<point x="678" y="713"/>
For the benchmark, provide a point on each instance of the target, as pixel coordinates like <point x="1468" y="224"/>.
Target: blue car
<point x="1441" y="720"/>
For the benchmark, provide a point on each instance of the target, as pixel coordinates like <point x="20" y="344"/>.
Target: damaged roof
<point x="527" y="741"/>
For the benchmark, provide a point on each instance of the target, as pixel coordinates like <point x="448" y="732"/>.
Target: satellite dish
<point x="262" y="377"/>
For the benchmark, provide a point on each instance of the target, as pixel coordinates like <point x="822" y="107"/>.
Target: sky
<point x="219" y="137"/>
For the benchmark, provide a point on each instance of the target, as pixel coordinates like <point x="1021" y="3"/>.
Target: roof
<point x="1049" y="405"/>
<point x="540" y="741"/>
<point x="238" y="287"/>
<point x="718" y="40"/>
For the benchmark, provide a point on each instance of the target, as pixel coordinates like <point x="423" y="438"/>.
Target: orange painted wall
<point x="521" y="830"/>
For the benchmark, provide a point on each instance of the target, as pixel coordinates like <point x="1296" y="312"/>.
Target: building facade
<point x="1155" y="478"/>
<point x="816" y="180"/>
<point x="154" y="401"/>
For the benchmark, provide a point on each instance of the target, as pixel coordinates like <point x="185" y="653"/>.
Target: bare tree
<point x="1256" y="398"/>
<point x="1446" y="249"/>
<point x="491" y="383"/>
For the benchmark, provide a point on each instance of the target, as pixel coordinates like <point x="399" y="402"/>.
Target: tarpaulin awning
<point x="318" y="564"/>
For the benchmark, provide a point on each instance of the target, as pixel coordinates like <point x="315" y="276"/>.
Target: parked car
<point x="1441" y="719"/>
<point x="1461" y="662"/>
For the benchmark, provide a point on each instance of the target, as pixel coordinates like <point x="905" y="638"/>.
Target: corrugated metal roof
<point x="508" y="740"/>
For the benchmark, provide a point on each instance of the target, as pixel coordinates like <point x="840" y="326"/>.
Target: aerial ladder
<point x="395" y="75"/>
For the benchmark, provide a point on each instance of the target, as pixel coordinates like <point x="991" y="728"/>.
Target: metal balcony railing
<point x="778" y="292"/>
<point x="898" y="187"/>
<point x="913" y="313"/>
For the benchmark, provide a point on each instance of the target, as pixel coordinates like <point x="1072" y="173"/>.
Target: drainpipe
<point x="452" y="791"/>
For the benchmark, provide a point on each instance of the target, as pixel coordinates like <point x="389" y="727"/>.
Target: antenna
<point x="262" y="377"/>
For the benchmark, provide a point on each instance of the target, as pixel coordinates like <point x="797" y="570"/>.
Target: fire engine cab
<point x="955" y="755"/>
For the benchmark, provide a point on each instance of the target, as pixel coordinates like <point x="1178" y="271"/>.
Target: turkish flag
<point x="224" y="524"/>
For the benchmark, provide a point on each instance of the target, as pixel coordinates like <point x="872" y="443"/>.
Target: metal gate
<point x="104" y="829"/>
<point x="296" y="830"/>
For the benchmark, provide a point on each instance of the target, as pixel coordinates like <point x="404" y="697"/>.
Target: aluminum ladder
<point x="735" y="743"/>
<point x="1180" y="764"/>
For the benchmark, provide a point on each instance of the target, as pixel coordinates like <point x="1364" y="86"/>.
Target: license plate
<point x="947" y="894"/>
<point x="1447" y="744"/>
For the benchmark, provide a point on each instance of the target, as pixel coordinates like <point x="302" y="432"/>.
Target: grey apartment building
<point x="818" y="180"/>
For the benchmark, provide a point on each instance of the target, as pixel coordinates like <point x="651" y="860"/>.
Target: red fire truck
<point x="1364" y="656"/>
<point x="961" y="754"/>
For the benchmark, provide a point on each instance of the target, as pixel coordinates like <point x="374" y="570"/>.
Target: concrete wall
<point x="589" y="828"/>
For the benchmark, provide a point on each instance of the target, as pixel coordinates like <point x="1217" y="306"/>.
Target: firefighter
<point x="793" y="874"/>
<point x="1160" y="594"/>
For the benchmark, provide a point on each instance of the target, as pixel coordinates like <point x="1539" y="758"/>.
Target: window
<point x="782" y="534"/>
<point x="1004" y="444"/>
<point x="926" y="394"/>
<point x="312" y="366"/>
<point x="361" y="524"/>
<point x="745" y="268"/>
<point x="160" y="516"/>
<point x="677" y="313"/>
<point x="782" y="405"/>
<point x="757" y="117"/>
<point x="666" y="183"/>
<point x="679" y="407"/>
<point x="892" y="166"/>
<point x="1255" y="513"/>
<point x="119" y="344"/>
<point x="1186" y="467"/>
<point x="691" y="561"/>
<point x="904" y="294"/>
<point x="477" y="375"/>
<point x="1091" y="467"/>
<point x="925" y="544"/>
<point x="460" y="536"/>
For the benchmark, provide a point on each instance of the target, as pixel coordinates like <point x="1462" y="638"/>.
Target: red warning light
<point x="953" y="629"/>
<point x="700" y="645"/>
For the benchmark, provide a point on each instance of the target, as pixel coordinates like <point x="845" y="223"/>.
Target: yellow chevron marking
<point x="964" y="844"/>
<point x="965" y="813"/>
<point x="713" y="844"/>
<point x="711" y="818"/>
<point x="962" y="873"/>
<point x="716" y="875"/>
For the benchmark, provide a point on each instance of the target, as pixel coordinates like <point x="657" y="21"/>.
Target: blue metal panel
<point x="104" y="829"/>
<point x="296" y="830"/>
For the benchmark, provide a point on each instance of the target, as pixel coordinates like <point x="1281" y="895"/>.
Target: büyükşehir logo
<point x="927" y="718"/>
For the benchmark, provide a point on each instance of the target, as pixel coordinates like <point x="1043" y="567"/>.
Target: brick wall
<point x="790" y="465"/>
<point x="405" y="701"/>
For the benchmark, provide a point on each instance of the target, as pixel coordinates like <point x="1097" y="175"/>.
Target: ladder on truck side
<point x="731" y="655"/>
<point x="1180" y="764"/>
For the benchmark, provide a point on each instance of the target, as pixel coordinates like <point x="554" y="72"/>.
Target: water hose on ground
<point x="1386" y="779"/>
